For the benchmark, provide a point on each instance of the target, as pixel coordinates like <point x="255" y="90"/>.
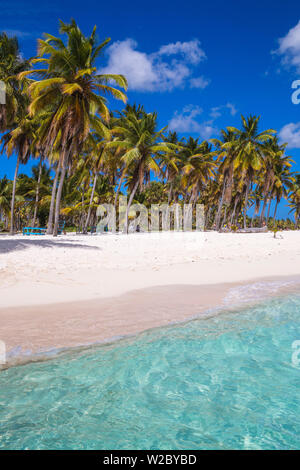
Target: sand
<point x="76" y="290"/>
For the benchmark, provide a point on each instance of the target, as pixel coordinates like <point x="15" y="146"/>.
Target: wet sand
<point x="31" y="331"/>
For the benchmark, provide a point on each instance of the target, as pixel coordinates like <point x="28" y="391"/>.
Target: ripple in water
<point x="226" y="382"/>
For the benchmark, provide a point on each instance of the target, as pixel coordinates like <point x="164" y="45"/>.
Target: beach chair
<point x="34" y="231"/>
<point x="42" y="230"/>
<point x="61" y="226"/>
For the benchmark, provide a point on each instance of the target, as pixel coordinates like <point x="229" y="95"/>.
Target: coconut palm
<point x="283" y="180"/>
<point x="54" y="162"/>
<point x="199" y="167"/>
<point x="37" y="189"/>
<point x="272" y="153"/>
<point x="227" y="152"/>
<point x="74" y="93"/>
<point x="20" y="141"/>
<point x="295" y="199"/>
<point x="142" y="143"/>
<point x="172" y="162"/>
<point x="249" y="150"/>
<point x="105" y="159"/>
<point x="40" y="187"/>
<point x="5" y="196"/>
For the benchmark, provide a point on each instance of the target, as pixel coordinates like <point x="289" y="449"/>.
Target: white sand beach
<point x="75" y="289"/>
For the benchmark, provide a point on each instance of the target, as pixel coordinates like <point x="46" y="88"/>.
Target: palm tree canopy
<point x="71" y="89"/>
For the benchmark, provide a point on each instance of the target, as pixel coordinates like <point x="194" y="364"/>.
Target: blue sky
<point x="198" y="64"/>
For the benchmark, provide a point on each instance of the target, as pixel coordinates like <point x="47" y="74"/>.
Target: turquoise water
<point x="222" y="383"/>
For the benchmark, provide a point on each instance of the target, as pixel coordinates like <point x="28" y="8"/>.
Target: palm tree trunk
<point x="37" y="192"/>
<point x="13" y="197"/>
<point x="170" y="192"/>
<point x="169" y="200"/>
<point x="58" y="198"/>
<point x="262" y="215"/>
<point x="234" y="209"/>
<point x="119" y="188"/>
<point x="296" y="221"/>
<point x="90" y="204"/>
<point x="269" y="208"/>
<point x="218" y="216"/>
<point x="132" y="194"/>
<point x="187" y="194"/>
<point x="82" y="210"/>
<point x="52" y="204"/>
<point x="188" y="214"/>
<point x="246" y="204"/>
<point x="224" y="218"/>
<point x="275" y="210"/>
<point x="207" y="218"/>
<point x="256" y="211"/>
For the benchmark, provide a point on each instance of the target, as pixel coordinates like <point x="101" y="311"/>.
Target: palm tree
<point x="38" y="151"/>
<point x="54" y="160"/>
<point x="295" y="199"/>
<point x="272" y="153"/>
<point x="141" y="143"/>
<point x="283" y="180"/>
<point x="20" y="141"/>
<point x="73" y="92"/>
<point x="256" y="199"/>
<point x="101" y="158"/>
<point x="5" y="195"/>
<point x="37" y="190"/>
<point x="226" y="148"/>
<point x="172" y="161"/>
<point x="39" y="187"/>
<point x="138" y="111"/>
<point x="83" y="173"/>
<point x="249" y="152"/>
<point x="199" y="168"/>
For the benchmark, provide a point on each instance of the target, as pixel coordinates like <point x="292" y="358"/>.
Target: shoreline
<point x="79" y="290"/>
<point x="37" y="333"/>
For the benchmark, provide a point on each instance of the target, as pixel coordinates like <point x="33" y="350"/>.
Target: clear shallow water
<point x="222" y="383"/>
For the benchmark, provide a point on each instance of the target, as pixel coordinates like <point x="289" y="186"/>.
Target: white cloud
<point x="199" y="82"/>
<point x="166" y="69"/>
<point x="186" y="122"/>
<point x="289" y="47"/>
<point x="190" y="50"/>
<point x="135" y="65"/>
<point x="217" y="110"/>
<point x="232" y="108"/>
<point x="290" y="133"/>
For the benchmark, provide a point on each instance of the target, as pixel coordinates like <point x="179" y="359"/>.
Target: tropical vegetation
<point x="57" y="112"/>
